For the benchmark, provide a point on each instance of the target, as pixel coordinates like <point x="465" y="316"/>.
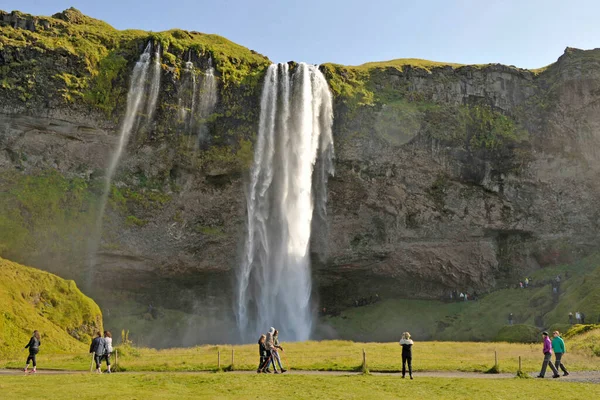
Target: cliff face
<point x="447" y="177"/>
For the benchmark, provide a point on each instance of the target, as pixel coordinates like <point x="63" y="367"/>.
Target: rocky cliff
<point x="447" y="176"/>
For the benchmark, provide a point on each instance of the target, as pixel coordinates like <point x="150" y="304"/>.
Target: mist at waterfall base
<point x="295" y="135"/>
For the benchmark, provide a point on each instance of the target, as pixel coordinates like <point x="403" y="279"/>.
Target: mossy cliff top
<point x="32" y="299"/>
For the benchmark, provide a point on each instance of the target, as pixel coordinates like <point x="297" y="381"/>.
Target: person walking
<point x="108" y="349"/>
<point x="262" y="352"/>
<point x="406" y="343"/>
<point x="578" y="317"/>
<point x="547" y="357"/>
<point x="34" y="348"/>
<point x="582" y="318"/>
<point x="276" y="351"/>
<point x="98" y="348"/>
<point x="270" y="345"/>
<point x="510" y="318"/>
<point x="570" y="318"/>
<point x="558" y="345"/>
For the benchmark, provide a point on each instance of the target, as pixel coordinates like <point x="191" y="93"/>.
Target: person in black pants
<point x="34" y="348"/>
<point x="262" y="352"/>
<point x="406" y="343"/>
<point x="98" y="348"/>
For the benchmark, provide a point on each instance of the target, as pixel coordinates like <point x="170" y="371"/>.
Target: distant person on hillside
<point x="510" y="318"/>
<point x="547" y="357"/>
<point x="558" y="345"/>
<point x="578" y="317"/>
<point x="582" y="318"/>
<point x="270" y="348"/>
<point x="406" y="343"/>
<point x="262" y="352"/>
<point x="570" y="318"/>
<point x="526" y="282"/>
<point x="34" y="348"/>
<point x="276" y="351"/>
<point x="98" y="348"/>
<point x="107" y="350"/>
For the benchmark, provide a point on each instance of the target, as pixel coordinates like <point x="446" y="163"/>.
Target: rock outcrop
<point x="447" y="177"/>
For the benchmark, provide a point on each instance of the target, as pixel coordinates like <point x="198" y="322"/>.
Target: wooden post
<point x="219" y="359"/>
<point x="496" y="358"/>
<point x="232" y="359"/>
<point x="520" y="364"/>
<point x="117" y="358"/>
<point x="364" y="366"/>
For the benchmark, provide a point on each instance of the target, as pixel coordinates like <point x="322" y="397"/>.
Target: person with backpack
<point x="107" y="350"/>
<point x="275" y="352"/>
<point x="547" y="357"/>
<point x="558" y="345"/>
<point x="406" y="343"/>
<point x="98" y="348"/>
<point x="34" y="348"/>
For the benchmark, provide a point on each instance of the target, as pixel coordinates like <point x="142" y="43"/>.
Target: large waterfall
<point x="144" y="87"/>
<point x="274" y="279"/>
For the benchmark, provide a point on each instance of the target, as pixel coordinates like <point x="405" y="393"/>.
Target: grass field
<point x="329" y="356"/>
<point x="252" y="386"/>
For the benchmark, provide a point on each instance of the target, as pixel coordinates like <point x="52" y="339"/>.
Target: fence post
<point x="219" y="359"/>
<point x="232" y="359"/>
<point x="496" y="359"/>
<point x="364" y="365"/>
<point x="117" y="358"/>
<point x="520" y="364"/>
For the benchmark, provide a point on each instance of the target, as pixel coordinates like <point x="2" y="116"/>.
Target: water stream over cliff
<point x="274" y="278"/>
<point x="144" y="87"/>
<point x="207" y="102"/>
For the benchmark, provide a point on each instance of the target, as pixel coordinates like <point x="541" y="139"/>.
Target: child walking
<point x="262" y="352"/>
<point x="406" y="343"/>
<point x="34" y="348"/>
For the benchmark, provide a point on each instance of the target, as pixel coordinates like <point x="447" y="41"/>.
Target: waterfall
<point x="153" y="85"/>
<point x="274" y="278"/>
<point x="187" y="96"/>
<point x="207" y="101"/>
<point x="135" y="98"/>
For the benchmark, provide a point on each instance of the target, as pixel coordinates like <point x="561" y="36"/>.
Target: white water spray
<point x="153" y="85"/>
<point x="135" y="99"/>
<point x="207" y="101"/>
<point x="274" y="279"/>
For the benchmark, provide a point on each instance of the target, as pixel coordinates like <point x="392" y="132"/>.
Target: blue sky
<point x="526" y="33"/>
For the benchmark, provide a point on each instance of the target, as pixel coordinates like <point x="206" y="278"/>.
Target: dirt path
<point x="583" y="376"/>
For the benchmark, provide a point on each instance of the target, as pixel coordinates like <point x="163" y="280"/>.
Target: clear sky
<point x="525" y="33"/>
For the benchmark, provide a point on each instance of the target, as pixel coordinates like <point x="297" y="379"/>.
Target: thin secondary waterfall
<point x="207" y="101"/>
<point x="139" y="87"/>
<point x="187" y="96"/>
<point x="153" y="85"/>
<point x="274" y="279"/>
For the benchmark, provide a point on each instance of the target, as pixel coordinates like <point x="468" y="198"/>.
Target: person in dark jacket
<point x="34" y="348"/>
<point x="547" y="357"/>
<point x="406" y="343"/>
<point x="262" y="352"/>
<point x="98" y="348"/>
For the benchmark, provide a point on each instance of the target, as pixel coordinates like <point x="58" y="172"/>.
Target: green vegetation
<point x="236" y="386"/>
<point x="33" y="299"/>
<point x="43" y="214"/>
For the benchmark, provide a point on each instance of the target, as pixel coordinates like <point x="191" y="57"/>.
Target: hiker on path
<point x="98" y="348"/>
<point x="276" y="351"/>
<point x="107" y="350"/>
<point x="406" y="343"/>
<point x="578" y="317"/>
<point x="582" y="318"/>
<point x="547" y="357"/>
<point x="270" y="345"/>
<point x="262" y="352"/>
<point x="558" y="345"/>
<point x="510" y="318"/>
<point x="570" y="318"/>
<point x="34" y="348"/>
<point x="526" y="283"/>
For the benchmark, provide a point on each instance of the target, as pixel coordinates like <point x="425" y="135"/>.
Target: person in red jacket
<point x="547" y="357"/>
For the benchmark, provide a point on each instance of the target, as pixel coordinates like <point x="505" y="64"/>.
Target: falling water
<point x="207" y="101"/>
<point x="135" y="99"/>
<point x="274" y="281"/>
<point x="187" y="96"/>
<point x="154" y="85"/>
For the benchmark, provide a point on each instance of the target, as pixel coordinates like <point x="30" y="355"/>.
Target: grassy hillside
<point x="32" y="299"/>
<point x="535" y="306"/>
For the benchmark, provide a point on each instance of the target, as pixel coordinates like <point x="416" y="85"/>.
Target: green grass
<point x="32" y="299"/>
<point x="234" y="386"/>
<point x="330" y="356"/>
